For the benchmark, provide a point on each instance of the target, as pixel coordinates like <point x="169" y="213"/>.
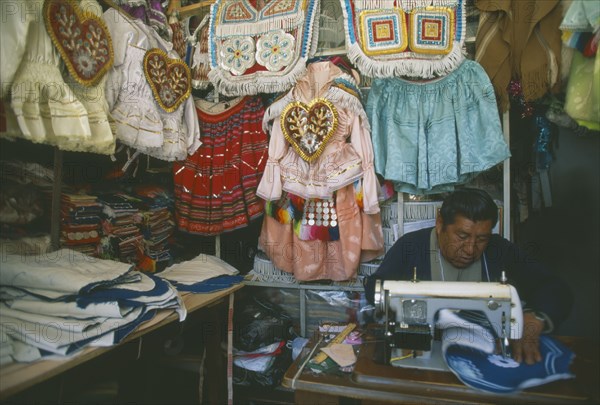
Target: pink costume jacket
<point x="345" y="164"/>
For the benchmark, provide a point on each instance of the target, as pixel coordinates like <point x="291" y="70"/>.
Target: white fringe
<point x="415" y="211"/>
<point x="406" y="67"/>
<point x="200" y="84"/>
<point x="253" y="84"/>
<point x="287" y="23"/>
<point x="314" y="27"/>
<point x="263" y="81"/>
<point x="366" y="269"/>
<point x="388" y="236"/>
<point x="360" y="5"/>
<point x="345" y="100"/>
<point x="273" y="112"/>
<point x="406" y="5"/>
<point x="265" y="271"/>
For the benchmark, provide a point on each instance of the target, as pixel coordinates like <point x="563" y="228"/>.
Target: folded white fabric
<point x="200" y="268"/>
<point x="70" y="309"/>
<point x="22" y="352"/>
<point x="63" y="271"/>
<point x="58" y="338"/>
<point x="61" y="302"/>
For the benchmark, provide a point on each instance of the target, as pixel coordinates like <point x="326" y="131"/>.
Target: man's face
<point x="463" y="242"/>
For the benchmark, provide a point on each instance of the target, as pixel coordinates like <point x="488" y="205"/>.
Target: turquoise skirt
<point x="430" y="136"/>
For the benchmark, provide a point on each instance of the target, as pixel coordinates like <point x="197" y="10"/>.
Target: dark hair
<point x="471" y="203"/>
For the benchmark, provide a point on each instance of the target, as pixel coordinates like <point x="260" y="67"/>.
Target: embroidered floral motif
<point x="275" y="50"/>
<point x="170" y="79"/>
<point x="308" y="128"/>
<point x="81" y="38"/>
<point x="237" y="55"/>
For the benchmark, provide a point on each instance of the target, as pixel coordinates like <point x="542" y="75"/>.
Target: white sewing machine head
<point x="410" y="309"/>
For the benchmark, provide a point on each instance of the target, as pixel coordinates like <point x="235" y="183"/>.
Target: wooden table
<point x="17" y="377"/>
<point x="376" y="383"/>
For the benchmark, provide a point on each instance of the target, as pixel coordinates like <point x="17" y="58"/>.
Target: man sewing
<point x="461" y="247"/>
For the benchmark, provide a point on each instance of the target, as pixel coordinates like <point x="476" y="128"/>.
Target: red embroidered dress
<point x="215" y="188"/>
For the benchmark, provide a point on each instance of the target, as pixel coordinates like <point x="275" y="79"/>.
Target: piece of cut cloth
<point x="468" y="346"/>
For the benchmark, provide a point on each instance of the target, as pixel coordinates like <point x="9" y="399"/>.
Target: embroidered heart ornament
<point x="308" y="128"/>
<point x="82" y="39"/>
<point x="169" y="79"/>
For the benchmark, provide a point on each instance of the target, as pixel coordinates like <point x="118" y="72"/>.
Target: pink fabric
<point x="347" y="157"/>
<point x="361" y="239"/>
<point x="341" y="162"/>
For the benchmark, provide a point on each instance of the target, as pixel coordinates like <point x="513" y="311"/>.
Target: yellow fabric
<point x="583" y="91"/>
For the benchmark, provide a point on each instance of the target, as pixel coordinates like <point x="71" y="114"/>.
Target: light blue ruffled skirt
<point x="430" y="136"/>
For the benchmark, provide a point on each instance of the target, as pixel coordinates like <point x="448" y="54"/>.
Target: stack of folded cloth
<point x="157" y="227"/>
<point x="81" y="227"/>
<point x="202" y="274"/>
<point x="58" y="303"/>
<point x="123" y="239"/>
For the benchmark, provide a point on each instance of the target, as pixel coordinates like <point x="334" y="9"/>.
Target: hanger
<point x="187" y="11"/>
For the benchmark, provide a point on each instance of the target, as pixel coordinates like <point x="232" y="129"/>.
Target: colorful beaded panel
<point x="236" y="12"/>
<point x="169" y="79"/>
<point x="260" y="50"/>
<point x="308" y="128"/>
<point x="82" y="39"/>
<point x="432" y="30"/>
<point x="405" y="38"/>
<point x="383" y="31"/>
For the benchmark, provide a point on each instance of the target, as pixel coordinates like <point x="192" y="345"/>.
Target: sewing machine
<point x="410" y="309"/>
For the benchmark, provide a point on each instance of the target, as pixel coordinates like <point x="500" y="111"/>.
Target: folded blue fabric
<point x="494" y="373"/>
<point x="211" y="285"/>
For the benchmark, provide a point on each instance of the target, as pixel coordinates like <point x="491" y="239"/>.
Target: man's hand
<point x="528" y="347"/>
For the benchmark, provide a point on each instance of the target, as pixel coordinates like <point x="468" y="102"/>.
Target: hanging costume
<point x="319" y="183"/>
<point x="215" y="188"/>
<point x="409" y="38"/>
<point x="581" y="31"/>
<point x="429" y="136"/>
<point x="520" y="40"/>
<point x="260" y="50"/>
<point x="63" y="108"/>
<point x="148" y="92"/>
<point x="150" y="12"/>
